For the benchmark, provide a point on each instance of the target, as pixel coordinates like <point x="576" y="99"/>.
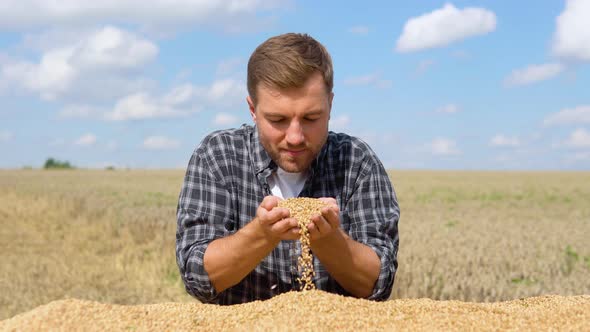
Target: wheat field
<point x="108" y="236"/>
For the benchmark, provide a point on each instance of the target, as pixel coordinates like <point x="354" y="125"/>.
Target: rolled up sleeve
<point x="373" y="214"/>
<point x="203" y="210"/>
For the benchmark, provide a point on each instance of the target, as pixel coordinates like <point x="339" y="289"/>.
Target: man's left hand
<point x="327" y="223"/>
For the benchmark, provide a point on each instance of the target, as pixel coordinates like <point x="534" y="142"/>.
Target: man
<point x="233" y="244"/>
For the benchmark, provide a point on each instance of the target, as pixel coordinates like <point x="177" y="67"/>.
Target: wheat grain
<point x="311" y="311"/>
<point x="302" y="209"/>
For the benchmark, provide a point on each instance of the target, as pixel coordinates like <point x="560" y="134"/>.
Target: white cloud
<point x="571" y="39"/>
<point x="54" y="37"/>
<point x="51" y="77"/>
<point x="359" y="30"/>
<point x="6" y="136"/>
<point x="160" y="143"/>
<point x="230" y="15"/>
<point x="79" y="111"/>
<point x="113" y="48"/>
<point x="141" y="105"/>
<point x="225" y="119"/>
<point x="577" y="157"/>
<point x="180" y="101"/>
<point x="86" y="140"/>
<point x="504" y="141"/>
<point x="448" y="109"/>
<point x="227" y="91"/>
<point x="221" y="92"/>
<point x="574" y="116"/>
<point x="339" y="123"/>
<point x="444" y="26"/>
<point x="104" y="57"/>
<point x="369" y="79"/>
<point x="179" y="95"/>
<point x="534" y="73"/>
<point x="579" y="138"/>
<point x="443" y="147"/>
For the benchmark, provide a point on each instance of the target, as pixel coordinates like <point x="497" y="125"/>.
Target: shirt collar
<point x="260" y="157"/>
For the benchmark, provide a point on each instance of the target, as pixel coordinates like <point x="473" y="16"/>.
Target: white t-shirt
<point x="286" y="185"/>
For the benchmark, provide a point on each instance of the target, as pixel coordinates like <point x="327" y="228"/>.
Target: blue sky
<point x="490" y="85"/>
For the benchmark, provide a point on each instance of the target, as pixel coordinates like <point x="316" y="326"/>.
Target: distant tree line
<point x="51" y="163"/>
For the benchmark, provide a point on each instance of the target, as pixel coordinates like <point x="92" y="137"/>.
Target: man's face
<point x="293" y="123"/>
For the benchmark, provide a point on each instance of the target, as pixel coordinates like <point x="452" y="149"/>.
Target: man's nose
<point x="295" y="134"/>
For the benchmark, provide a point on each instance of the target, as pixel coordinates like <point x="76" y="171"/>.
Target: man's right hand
<point x="229" y="259"/>
<point x="275" y="221"/>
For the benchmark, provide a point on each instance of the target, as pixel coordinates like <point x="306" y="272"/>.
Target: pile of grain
<point x="311" y="311"/>
<point x="302" y="209"/>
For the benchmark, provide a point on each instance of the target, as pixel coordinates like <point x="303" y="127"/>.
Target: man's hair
<point x="287" y="61"/>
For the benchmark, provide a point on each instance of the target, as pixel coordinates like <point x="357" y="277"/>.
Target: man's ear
<point x="251" y="108"/>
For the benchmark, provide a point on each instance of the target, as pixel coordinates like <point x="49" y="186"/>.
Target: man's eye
<point x="275" y="120"/>
<point x="311" y="119"/>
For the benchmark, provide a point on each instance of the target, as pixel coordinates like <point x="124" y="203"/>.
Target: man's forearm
<point x="354" y="265"/>
<point x="228" y="260"/>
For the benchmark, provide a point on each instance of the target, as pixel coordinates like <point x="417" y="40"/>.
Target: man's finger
<point x="277" y="213"/>
<point x="313" y="231"/>
<point x="331" y="216"/>
<point x="321" y="224"/>
<point x="284" y="225"/>
<point x="329" y="200"/>
<point x="269" y="202"/>
<point x="291" y="234"/>
<point x="271" y="217"/>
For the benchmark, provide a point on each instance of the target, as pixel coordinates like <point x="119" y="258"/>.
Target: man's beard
<point x="292" y="165"/>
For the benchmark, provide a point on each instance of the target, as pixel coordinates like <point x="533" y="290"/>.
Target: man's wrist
<point x="330" y="242"/>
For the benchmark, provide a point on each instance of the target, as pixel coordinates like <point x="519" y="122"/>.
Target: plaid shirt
<point x="225" y="182"/>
